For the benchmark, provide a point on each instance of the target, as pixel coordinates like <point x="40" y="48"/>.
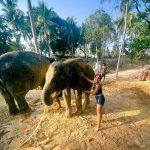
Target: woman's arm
<point x="94" y="92"/>
<point x="88" y="79"/>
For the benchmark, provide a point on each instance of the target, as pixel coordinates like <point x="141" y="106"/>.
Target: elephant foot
<point x="78" y="112"/>
<point x="13" y="111"/>
<point x="84" y="107"/>
<point x="68" y="114"/>
<point x="25" y="110"/>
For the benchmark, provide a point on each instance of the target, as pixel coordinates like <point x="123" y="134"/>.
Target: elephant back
<point x="23" y="70"/>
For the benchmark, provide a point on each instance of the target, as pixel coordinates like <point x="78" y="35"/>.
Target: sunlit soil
<point x="126" y="121"/>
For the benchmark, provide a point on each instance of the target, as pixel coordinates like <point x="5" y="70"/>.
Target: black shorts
<point x="100" y="100"/>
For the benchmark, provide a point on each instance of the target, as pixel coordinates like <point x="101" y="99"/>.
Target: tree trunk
<point x="83" y="51"/>
<point x="48" y="45"/>
<point x="97" y="52"/>
<point x="33" y="27"/>
<point x="123" y="38"/>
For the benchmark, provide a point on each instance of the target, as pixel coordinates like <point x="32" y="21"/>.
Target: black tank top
<point x="99" y="90"/>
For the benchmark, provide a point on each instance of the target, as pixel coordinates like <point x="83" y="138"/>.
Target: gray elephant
<point x="19" y="73"/>
<point x="66" y="76"/>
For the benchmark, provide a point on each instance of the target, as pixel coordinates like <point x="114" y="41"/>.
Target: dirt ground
<point x="126" y="120"/>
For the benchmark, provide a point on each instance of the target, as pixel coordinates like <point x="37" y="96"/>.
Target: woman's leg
<point x="99" y="115"/>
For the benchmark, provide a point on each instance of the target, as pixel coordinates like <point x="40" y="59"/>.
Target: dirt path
<point x="126" y="121"/>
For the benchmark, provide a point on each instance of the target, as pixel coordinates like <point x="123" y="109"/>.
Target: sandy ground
<point x="126" y="121"/>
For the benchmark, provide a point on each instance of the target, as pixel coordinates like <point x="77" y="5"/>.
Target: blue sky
<point x="79" y="9"/>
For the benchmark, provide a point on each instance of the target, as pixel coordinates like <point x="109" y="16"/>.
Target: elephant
<point x="20" y="72"/>
<point x="64" y="76"/>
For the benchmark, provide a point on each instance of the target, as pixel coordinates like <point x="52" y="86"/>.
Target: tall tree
<point x="82" y="40"/>
<point x="14" y="18"/>
<point x="124" y="6"/>
<point x="73" y="33"/>
<point x="98" y="29"/>
<point x="44" y="23"/>
<point x="123" y="36"/>
<point x="144" y="15"/>
<point x="33" y="26"/>
<point x="139" y="37"/>
<point x="66" y="38"/>
<point x="6" y="44"/>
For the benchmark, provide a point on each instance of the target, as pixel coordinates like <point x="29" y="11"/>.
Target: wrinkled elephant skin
<point x="19" y="73"/>
<point x="66" y="76"/>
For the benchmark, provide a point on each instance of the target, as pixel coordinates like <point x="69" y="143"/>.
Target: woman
<point x="97" y="92"/>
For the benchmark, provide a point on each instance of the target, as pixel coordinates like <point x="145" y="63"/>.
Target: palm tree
<point x="44" y="22"/>
<point x="16" y="20"/>
<point x="125" y="7"/>
<point x="9" y="9"/>
<point x="12" y="16"/>
<point x="33" y="26"/>
<point x="123" y="37"/>
<point x="73" y="33"/>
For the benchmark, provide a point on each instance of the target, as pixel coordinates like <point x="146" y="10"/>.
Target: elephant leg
<point x="10" y="101"/>
<point x="86" y="101"/>
<point x="23" y="105"/>
<point x="79" y="103"/>
<point x="67" y="98"/>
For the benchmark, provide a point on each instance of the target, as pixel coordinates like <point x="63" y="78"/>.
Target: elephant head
<point x="66" y="75"/>
<point x="56" y="76"/>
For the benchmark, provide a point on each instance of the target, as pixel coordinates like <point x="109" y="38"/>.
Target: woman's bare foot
<point x="98" y="128"/>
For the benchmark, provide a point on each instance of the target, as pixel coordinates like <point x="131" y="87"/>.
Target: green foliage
<point x="82" y="39"/>
<point x="93" y="48"/>
<point x="5" y="38"/>
<point x="98" y="26"/>
<point x="73" y="34"/>
<point x="144" y="15"/>
<point x="67" y="36"/>
<point x="139" y="41"/>
<point x="16" y="20"/>
<point x="115" y="51"/>
<point x="44" y="24"/>
<point x="107" y="53"/>
<point x="98" y="29"/>
<point x="55" y="33"/>
<point x="138" y="47"/>
<point x="64" y="36"/>
<point x="138" y="28"/>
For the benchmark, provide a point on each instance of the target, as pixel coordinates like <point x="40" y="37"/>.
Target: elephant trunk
<point x="46" y="95"/>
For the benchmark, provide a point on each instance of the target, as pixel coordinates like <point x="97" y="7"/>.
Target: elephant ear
<point x="64" y="71"/>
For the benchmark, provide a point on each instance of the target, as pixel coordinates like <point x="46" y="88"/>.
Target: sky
<point x="79" y="9"/>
